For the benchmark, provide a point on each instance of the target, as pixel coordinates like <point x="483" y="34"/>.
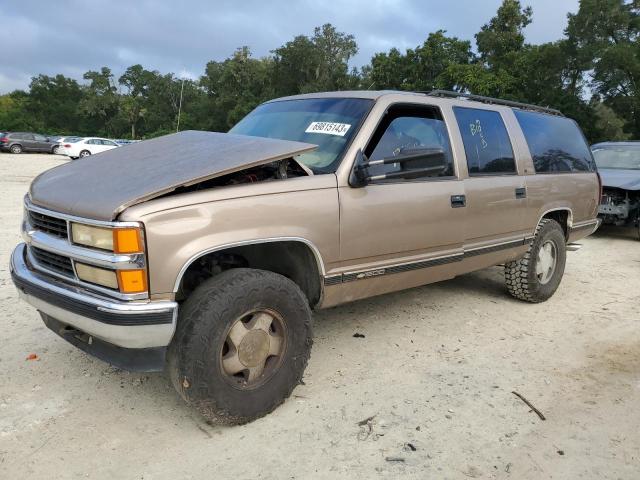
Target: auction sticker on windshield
<point x="328" y="128"/>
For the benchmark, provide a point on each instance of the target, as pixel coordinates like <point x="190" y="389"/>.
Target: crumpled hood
<point x="103" y="185"/>
<point x="618" y="178"/>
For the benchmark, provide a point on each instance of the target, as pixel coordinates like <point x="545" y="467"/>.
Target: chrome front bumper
<point x="126" y="324"/>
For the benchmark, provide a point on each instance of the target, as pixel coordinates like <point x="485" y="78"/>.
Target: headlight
<point x="118" y="240"/>
<point x="95" y="237"/>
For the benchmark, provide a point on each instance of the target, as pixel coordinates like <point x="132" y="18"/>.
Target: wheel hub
<point x="254" y="348"/>
<point x="546" y="262"/>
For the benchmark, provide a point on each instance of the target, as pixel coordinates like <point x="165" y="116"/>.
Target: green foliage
<point x="422" y="68"/>
<point x="591" y="74"/>
<point x="502" y="38"/>
<point x="607" y="32"/>
<point x="53" y="103"/>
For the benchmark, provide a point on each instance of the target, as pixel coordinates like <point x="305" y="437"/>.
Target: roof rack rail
<point x="493" y="101"/>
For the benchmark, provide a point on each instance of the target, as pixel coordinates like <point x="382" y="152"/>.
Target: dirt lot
<point x="435" y="370"/>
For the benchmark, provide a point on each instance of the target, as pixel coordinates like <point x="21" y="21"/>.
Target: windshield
<point x="329" y="123"/>
<point x="618" y="157"/>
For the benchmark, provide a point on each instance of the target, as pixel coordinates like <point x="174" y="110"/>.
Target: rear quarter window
<point x="556" y="144"/>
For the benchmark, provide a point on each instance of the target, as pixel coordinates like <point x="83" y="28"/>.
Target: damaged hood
<point x="103" y="185"/>
<point x="618" y="178"/>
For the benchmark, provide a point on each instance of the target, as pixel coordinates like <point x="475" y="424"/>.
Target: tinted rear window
<point x="556" y="143"/>
<point x="486" y="142"/>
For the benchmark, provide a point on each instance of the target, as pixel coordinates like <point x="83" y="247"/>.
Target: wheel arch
<point x="562" y="215"/>
<point x="294" y="257"/>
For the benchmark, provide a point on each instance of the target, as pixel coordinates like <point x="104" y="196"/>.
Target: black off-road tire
<point x="15" y="148"/>
<point x="194" y="355"/>
<point x="520" y="275"/>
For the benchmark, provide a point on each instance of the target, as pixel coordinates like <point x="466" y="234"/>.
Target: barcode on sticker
<point x="329" y="128"/>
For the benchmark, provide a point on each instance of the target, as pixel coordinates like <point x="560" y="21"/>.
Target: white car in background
<point x="60" y="141"/>
<point x="87" y="146"/>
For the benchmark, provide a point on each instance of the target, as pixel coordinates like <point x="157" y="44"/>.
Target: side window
<point x="40" y="138"/>
<point x="409" y="127"/>
<point x="486" y="142"/>
<point x="92" y="142"/>
<point x="556" y="143"/>
<point x="109" y="143"/>
<point x="27" y="136"/>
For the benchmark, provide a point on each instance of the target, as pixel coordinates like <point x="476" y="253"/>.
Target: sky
<point x="181" y="36"/>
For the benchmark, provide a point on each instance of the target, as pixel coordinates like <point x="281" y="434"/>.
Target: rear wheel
<point x="536" y="276"/>
<point x="85" y="153"/>
<point x="241" y="345"/>
<point x="16" y="148"/>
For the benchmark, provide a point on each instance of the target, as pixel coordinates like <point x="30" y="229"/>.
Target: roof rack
<point x="493" y="101"/>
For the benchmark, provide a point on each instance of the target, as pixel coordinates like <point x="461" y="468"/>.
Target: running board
<point x="573" y="247"/>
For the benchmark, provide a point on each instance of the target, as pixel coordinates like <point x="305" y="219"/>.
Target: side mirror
<point x="414" y="163"/>
<point x="358" y="175"/>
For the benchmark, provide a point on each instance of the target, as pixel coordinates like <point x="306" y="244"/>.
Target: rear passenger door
<point x="495" y="192"/>
<point x="28" y="142"/>
<point x="94" y="146"/>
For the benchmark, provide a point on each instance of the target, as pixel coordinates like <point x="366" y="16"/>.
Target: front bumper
<point x="123" y="324"/>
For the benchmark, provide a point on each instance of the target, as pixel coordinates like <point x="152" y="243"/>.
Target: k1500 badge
<point x="371" y="273"/>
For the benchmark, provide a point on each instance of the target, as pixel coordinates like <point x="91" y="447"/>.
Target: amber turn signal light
<point x="127" y="240"/>
<point x="132" y="281"/>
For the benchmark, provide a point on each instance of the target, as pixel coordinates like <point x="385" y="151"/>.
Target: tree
<point x="503" y="36"/>
<point x="53" y="103"/>
<point x="236" y="86"/>
<point x="334" y="49"/>
<point x="295" y="66"/>
<point x="14" y="115"/>
<point x="136" y="79"/>
<point x="607" y="32"/>
<point x="100" y="101"/>
<point x="607" y="124"/>
<point x="422" y="68"/>
<point x="314" y="64"/>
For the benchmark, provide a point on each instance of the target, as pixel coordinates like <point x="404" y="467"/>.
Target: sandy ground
<point x="435" y="371"/>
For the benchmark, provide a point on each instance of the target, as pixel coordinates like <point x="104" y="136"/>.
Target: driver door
<point x="403" y="225"/>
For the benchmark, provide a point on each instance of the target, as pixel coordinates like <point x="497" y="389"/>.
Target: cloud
<point x="78" y="35"/>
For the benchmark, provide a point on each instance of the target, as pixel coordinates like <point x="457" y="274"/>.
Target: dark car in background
<point x="619" y="167"/>
<point x="18" y="142"/>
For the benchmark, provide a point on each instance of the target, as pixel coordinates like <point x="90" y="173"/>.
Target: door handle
<point x="458" y="201"/>
<point x="521" y="192"/>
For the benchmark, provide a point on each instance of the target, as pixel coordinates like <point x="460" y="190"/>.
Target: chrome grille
<point x="45" y="223"/>
<point x="52" y="261"/>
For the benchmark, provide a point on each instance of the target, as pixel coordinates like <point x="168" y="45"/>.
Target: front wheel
<point x="241" y="345"/>
<point x="55" y="150"/>
<point x="536" y="276"/>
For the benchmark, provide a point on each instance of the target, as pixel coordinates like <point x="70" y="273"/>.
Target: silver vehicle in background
<point x="619" y="167"/>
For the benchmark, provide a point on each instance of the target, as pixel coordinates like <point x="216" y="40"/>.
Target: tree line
<point x="592" y="74"/>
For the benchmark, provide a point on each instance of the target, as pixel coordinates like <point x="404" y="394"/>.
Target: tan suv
<point x="205" y="253"/>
